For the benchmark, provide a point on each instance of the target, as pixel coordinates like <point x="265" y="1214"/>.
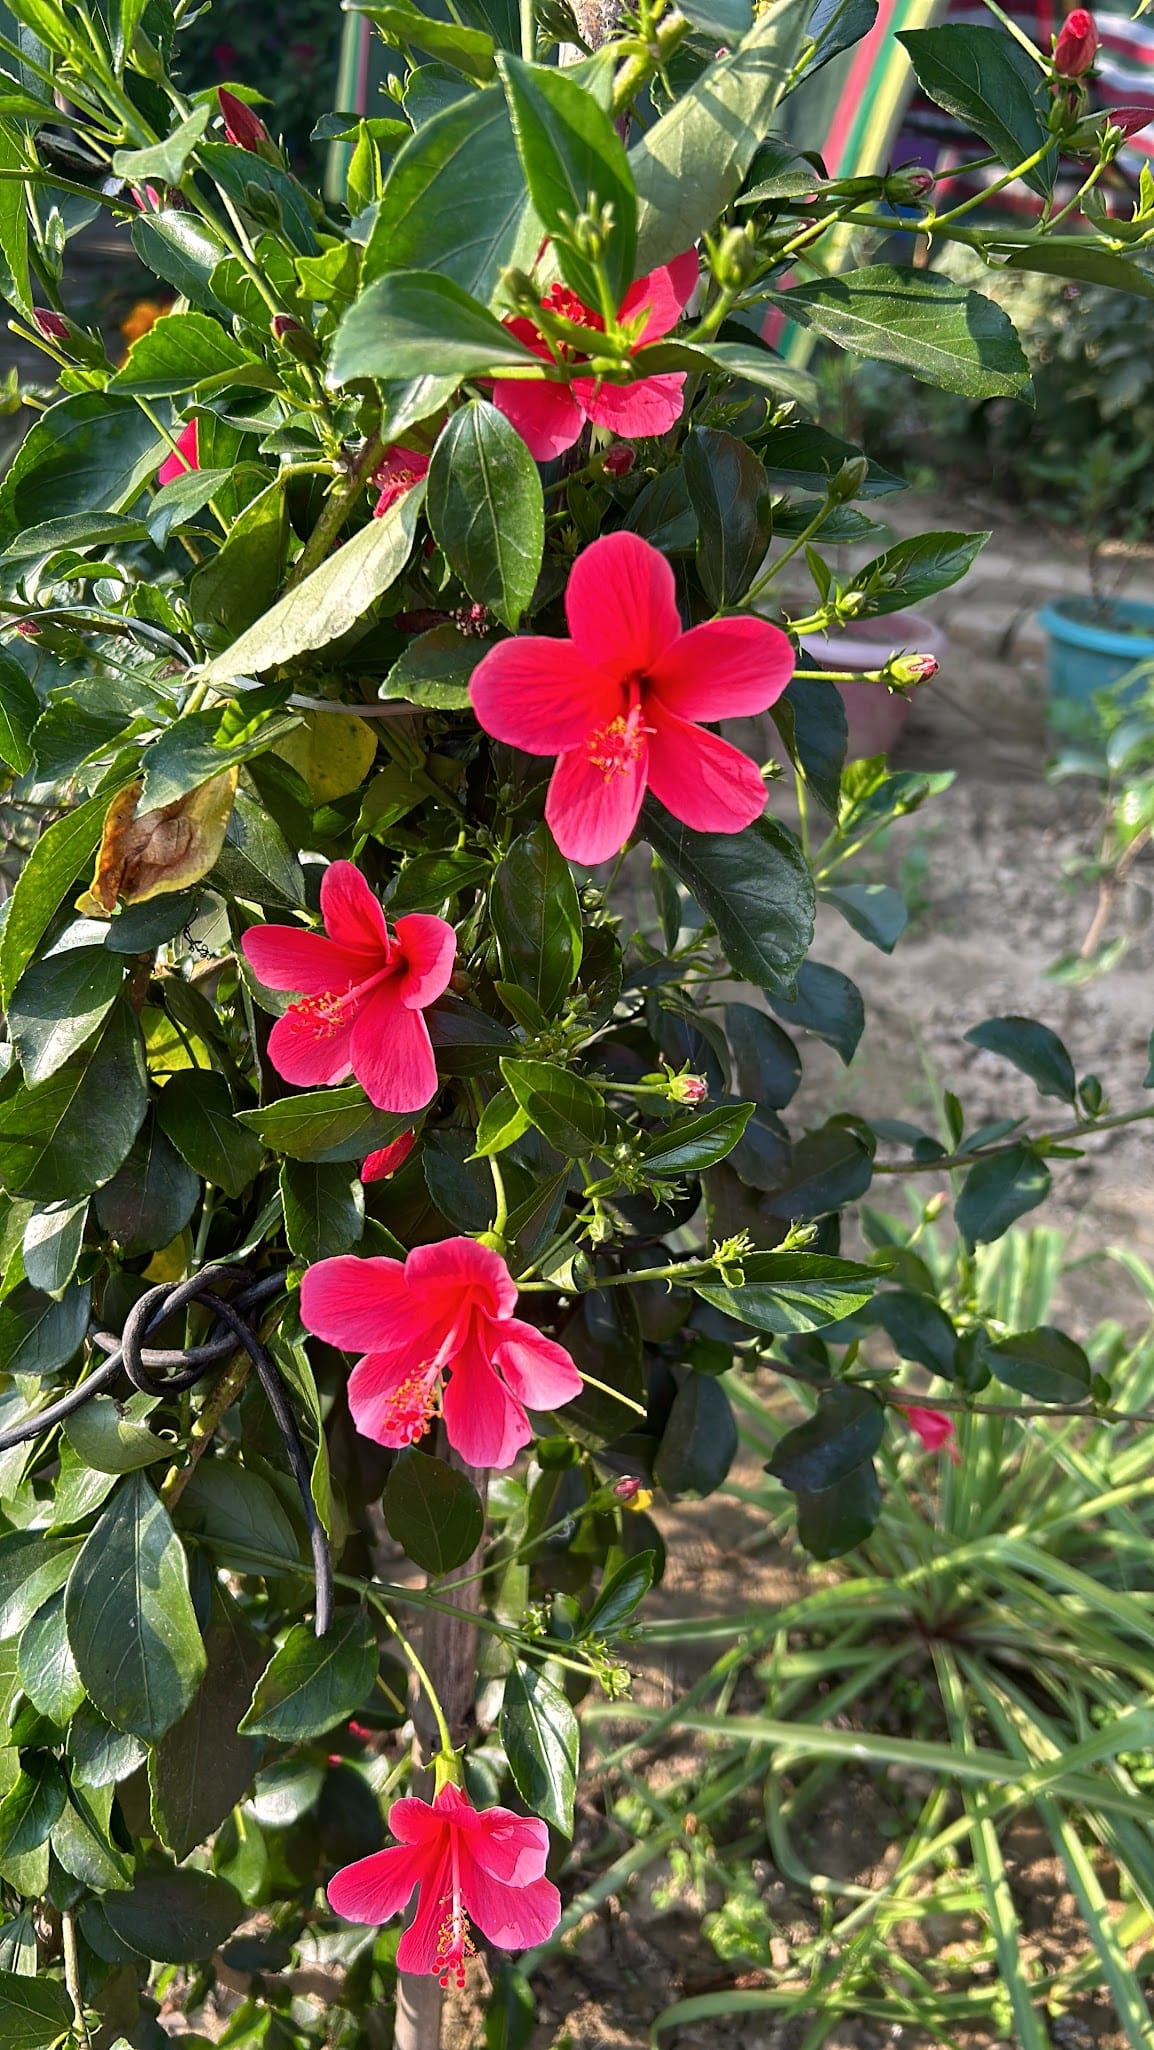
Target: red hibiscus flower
<point x="363" y="991"/>
<point x="400" y="470"/>
<point x="185" y="456"/>
<point x="618" y="704"/>
<point x="447" y="1308"/>
<point x="935" y="1429"/>
<point x="1077" y="44"/>
<point x="549" y="417"/>
<point x="388" y="1159"/>
<point x="486" y="1866"/>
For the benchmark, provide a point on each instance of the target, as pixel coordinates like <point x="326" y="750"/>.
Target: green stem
<point x="72" y="1978"/>
<point x="946" y="1161"/>
<point x="775" y="568"/>
<point x="423" y="1680"/>
<point x="336" y="510"/>
<point x="1009" y="178"/>
<point x="637" y="70"/>
<point x="955" y="1406"/>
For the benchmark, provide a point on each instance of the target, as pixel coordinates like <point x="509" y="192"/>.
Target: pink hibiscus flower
<point x="400" y="470"/>
<point x="185" y="456"/>
<point x="387" y="1159"/>
<point x="935" y="1428"/>
<point x="446" y="1309"/>
<point x="549" y="417"/>
<point x="618" y="704"/>
<point x="364" y="990"/>
<point x="484" y="1865"/>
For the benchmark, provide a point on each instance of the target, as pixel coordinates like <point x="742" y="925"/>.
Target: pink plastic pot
<point x="876" y="716"/>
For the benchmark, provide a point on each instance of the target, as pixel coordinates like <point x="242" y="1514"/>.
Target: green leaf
<point x="803" y="457"/>
<point x="755" y="886"/>
<point x="53" y="1237"/>
<point x="74" y="531"/>
<point x="194" y="1111"/>
<point x="256" y="863"/>
<point x="845" y="1429"/>
<point x="242" y="579"/>
<point x="179" y="248"/>
<point x="468" y="49"/>
<point x="1071" y="256"/>
<point x="723" y="20"/>
<point x="58" y="1005"/>
<point x="151" y="1198"/>
<point x="536" y="917"/>
<point x="984" y="78"/>
<point x="828" y="1169"/>
<point x="180" y="352"/>
<point x="47" y="1669"/>
<point x="730" y="495"/>
<point x="87" y="453"/>
<point x="510" y="2011"/>
<point x="234" y="1512"/>
<point x="19" y="705"/>
<point x="29" y="1810"/>
<point x="915" y="569"/>
<point x="34" y="2013"/>
<point x="164" y="162"/>
<point x="501" y="1125"/>
<point x="83" y="1846"/>
<point x="1034" y="1049"/>
<point x="454" y="201"/>
<point x="941" y="332"/>
<point x="786" y="1292"/>
<point x="747" y="360"/>
<point x="574" y="162"/>
<point x="15" y="284"/>
<point x="766" y="1061"/>
<point x="810" y="717"/>
<point x="997" y="1191"/>
<point x="69" y="1135"/>
<point x="622" y="1591"/>
<point x="487" y="509"/>
<point x="918" y="1328"/>
<point x="324" y="1208"/>
<point x="542" y="1744"/>
<point x="176" y="1917"/>
<point x="204" y="1766"/>
<point x="131" y="1622"/>
<point x="827" y="1004"/>
<point x="1044" y="1364"/>
<point x="112" y="1437"/>
<point x="325" y="1124"/>
<point x="59" y="857"/>
<point x="414" y="324"/>
<point x="434" y="670"/>
<point x="699" y="1442"/>
<point x="329" y="601"/>
<point x="567" y="1110"/>
<point x="39" y="1333"/>
<point x="99" y="1755"/>
<point x="313" y="1683"/>
<point x="32" y="1567"/>
<point x="834" y="1520"/>
<point x="691" y="1144"/>
<point x="690" y="165"/>
<point x="876" y="911"/>
<point x="433" y="1510"/>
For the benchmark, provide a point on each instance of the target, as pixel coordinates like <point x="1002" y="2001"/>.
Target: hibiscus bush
<point x="406" y="991"/>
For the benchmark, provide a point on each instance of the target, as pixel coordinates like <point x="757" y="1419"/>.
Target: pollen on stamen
<point x="455" y="1948"/>
<point x="328" y="1013"/>
<point x="616" y="747"/>
<point x="411" y="1407"/>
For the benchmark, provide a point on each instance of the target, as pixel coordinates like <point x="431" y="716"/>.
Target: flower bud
<point x="294" y="338"/>
<point x="909" y="669"/>
<point x="849" y="482"/>
<point x="909" y="186"/>
<point x="618" y="461"/>
<point x="52" y="326"/>
<point x="687" y="1089"/>
<point x="627" y="1487"/>
<point x="243" y="128"/>
<point x="1077" y="44"/>
<point x="736" y="257"/>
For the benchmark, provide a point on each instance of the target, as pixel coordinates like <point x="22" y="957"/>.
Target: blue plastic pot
<point x="1094" y="643"/>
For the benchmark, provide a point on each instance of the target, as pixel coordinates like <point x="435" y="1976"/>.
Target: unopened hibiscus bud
<point x="294" y="338"/>
<point x="619" y="461"/>
<point x="908" y="669"/>
<point x="850" y="481"/>
<point x="910" y="186"/>
<point x="28" y="629"/>
<point x="243" y="128"/>
<point x="687" y="1089"/>
<point x="633" y="1492"/>
<point x="52" y="326"/>
<point x="1077" y="44"/>
<point x="736" y="257"/>
<point x="934" y="1427"/>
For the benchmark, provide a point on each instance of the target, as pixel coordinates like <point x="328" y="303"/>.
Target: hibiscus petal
<point x="288" y="957"/>
<point x="460" y="1264"/>
<point x="372" y="1386"/>
<point x="650" y="406"/>
<point x="309" y="1051"/>
<point x="392" y="1054"/>
<point x="374" y="1888"/>
<point x="414" y="1822"/>
<point x="511" y="1848"/>
<point x="387" y="1159"/>
<point x="703" y="781"/>
<point x="591" y="814"/>
<point x="537" y="1369"/>
<point x="430" y="948"/>
<point x="360" y="1304"/>
<point x="352" y="915"/>
<point x="544" y="413"/>
<point x="483" y="1422"/>
<point x="726" y="669"/>
<point x="516" y="1917"/>
<point x="665" y="292"/>
<point x="419" y="1944"/>
<point x="185" y="456"/>
<point x="621" y="605"/>
<point x="541" y="695"/>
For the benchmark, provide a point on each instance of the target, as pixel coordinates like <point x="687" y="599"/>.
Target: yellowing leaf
<point x="168" y="1048"/>
<point x="158" y="852"/>
<point x="332" y="751"/>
